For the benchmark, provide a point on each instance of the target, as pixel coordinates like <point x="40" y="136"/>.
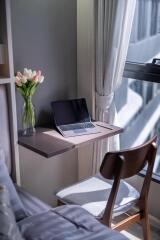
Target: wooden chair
<point x="116" y="166"/>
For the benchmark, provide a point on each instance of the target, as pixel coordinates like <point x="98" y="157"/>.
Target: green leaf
<point x="21" y="91"/>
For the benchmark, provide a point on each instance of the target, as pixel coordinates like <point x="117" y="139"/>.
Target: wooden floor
<point x="135" y="232"/>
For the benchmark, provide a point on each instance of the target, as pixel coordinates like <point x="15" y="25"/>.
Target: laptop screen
<point x="70" y="111"/>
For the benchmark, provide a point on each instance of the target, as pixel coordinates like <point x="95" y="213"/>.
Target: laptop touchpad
<point x="79" y="130"/>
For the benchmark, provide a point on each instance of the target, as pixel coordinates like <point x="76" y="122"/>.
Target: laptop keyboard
<point x="76" y="126"/>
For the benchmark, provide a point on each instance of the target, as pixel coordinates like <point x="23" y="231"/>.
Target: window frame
<point x="142" y="72"/>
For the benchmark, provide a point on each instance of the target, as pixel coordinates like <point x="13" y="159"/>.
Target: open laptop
<point x="71" y="118"/>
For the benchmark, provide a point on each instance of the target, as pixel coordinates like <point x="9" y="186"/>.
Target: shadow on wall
<point x="44" y="119"/>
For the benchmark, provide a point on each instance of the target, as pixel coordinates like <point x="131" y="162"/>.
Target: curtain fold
<point x="113" y="28"/>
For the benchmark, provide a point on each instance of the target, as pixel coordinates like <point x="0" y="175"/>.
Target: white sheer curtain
<point x="113" y="28"/>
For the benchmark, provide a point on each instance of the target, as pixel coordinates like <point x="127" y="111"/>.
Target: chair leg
<point x="124" y="224"/>
<point x="104" y="222"/>
<point x="146" y="226"/>
<point x="59" y="203"/>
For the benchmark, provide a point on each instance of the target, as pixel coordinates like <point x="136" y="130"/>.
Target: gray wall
<point x="44" y="37"/>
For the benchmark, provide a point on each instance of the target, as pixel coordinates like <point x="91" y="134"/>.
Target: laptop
<point x="71" y="118"/>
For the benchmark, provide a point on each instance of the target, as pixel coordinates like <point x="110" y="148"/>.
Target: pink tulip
<point x="39" y="73"/>
<point x="35" y="78"/>
<point x="41" y="79"/>
<point x="18" y="81"/>
<point x="19" y="74"/>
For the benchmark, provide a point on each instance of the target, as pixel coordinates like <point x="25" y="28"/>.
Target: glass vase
<point x="28" y="117"/>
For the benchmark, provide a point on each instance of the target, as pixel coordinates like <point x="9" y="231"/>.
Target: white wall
<point x="86" y="74"/>
<point x="42" y="176"/>
<point x="85" y="52"/>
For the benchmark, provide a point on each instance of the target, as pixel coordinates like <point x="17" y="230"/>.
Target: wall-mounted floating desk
<point x="48" y="161"/>
<point x="48" y="142"/>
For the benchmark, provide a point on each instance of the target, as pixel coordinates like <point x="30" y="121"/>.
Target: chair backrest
<point x="133" y="160"/>
<point x="125" y="164"/>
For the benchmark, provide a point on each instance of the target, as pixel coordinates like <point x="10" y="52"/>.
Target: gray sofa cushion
<point x="32" y="205"/>
<point x="66" y="223"/>
<point x="8" y="226"/>
<point x="5" y="179"/>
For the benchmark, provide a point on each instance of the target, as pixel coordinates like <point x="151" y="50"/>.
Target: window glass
<point x="138" y="106"/>
<point x="145" y="36"/>
<point x="137" y="101"/>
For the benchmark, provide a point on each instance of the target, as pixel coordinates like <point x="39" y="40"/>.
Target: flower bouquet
<point x="26" y="84"/>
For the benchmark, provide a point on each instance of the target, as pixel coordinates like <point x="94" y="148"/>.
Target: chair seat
<point x="92" y="195"/>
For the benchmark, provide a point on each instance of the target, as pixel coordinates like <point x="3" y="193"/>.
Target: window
<point x="138" y="97"/>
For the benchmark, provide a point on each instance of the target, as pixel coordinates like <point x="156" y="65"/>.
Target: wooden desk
<point x="48" y="142"/>
<point x="48" y="161"/>
<point x="44" y="144"/>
